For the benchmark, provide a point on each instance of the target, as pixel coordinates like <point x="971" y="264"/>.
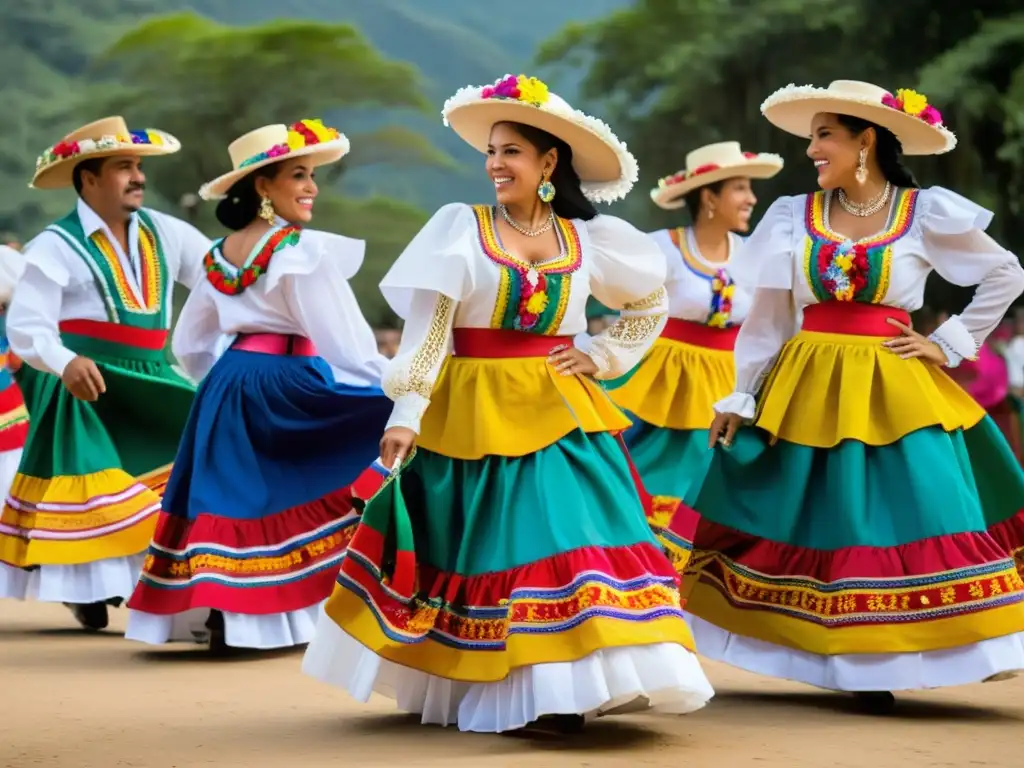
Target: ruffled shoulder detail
<point x="307" y="255"/>
<point x="676" y="270"/>
<point x="626" y="265"/>
<point x="43" y="253"/>
<point x="12" y="266"/>
<point x="944" y="212"/>
<point x="765" y="259"/>
<point x="438" y="260"/>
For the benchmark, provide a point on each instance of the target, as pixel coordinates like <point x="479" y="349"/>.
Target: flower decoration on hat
<point x="305" y="133"/>
<point x="66" y="150"/>
<point x="914" y="104"/>
<point x="528" y="90"/>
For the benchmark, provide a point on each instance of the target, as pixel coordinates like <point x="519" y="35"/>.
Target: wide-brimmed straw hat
<point x="916" y="123"/>
<point x="274" y="143"/>
<point x="711" y="163"/>
<point x="103" y="138"/>
<point x="606" y="168"/>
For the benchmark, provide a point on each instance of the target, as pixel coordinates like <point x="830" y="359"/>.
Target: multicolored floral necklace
<point x="255" y="265"/>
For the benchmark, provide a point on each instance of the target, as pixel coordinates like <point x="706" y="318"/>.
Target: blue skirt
<point x="258" y="509"/>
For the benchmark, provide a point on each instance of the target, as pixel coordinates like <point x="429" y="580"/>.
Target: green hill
<point x="47" y="45"/>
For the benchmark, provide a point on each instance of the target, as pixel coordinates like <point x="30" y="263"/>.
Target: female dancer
<point x="257" y="512"/>
<point x="13" y="415"/>
<point x="863" y="538"/>
<point x="671" y="393"/>
<point x="540" y="590"/>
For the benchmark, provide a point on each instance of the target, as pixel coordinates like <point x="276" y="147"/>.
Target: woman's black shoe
<point x="875" y="702"/>
<point x="92" y="616"/>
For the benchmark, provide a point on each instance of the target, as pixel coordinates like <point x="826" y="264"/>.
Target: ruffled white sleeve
<point x="313" y="276"/>
<point x="34" y="315"/>
<point x="952" y="231"/>
<point x="197" y="341"/>
<point x="764" y="264"/>
<point x="424" y="286"/>
<point x="627" y="273"/>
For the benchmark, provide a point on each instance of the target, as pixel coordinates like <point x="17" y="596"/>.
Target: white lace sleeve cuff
<point x="956" y="341"/>
<point x="740" y="403"/>
<point x="408" y="412"/>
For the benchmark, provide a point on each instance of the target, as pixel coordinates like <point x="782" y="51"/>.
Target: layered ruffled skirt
<point x="508" y="571"/>
<point x="864" y="536"/>
<point x="83" y="505"/>
<point x="259" y="508"/>
<point x="670" y="397"/>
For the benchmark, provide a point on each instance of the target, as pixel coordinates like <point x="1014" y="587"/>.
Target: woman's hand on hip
<point x="912" y="344"/>
<point x="570" y="361"/>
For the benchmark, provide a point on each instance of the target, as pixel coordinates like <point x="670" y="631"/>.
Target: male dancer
<point x="90" y="319"/>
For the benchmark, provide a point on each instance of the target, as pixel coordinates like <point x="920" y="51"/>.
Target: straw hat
<point x="274" y="143"/>
<point x="711" y="163"/>
<point x="606" y="168"/>
<point x="909" y="116"/>
<point x="103" y="138"/>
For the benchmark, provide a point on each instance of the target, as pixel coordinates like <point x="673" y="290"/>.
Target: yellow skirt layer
<point x="708" y="602"/>
<point x="677" y="384"/>
<point x="511" y="407"/>
<point x="70" y="520"/>
<point x="829" y="387"/>
<point x="348" y="610"/>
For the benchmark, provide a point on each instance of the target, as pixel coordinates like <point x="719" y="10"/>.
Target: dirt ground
<point x="97" y="701"/>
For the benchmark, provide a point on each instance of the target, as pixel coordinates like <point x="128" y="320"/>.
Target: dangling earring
<point x="711" y="213"/>
<point x="267" y="210"/>
<point x="546" y="191"/>
<point x="862" y="167"/>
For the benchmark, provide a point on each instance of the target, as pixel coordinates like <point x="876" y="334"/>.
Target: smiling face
<point x="118" y="183"/>
<point x="515" y="166"/>
<point x="733" y="203"/>
<point x="292" y="190"/>
<point x="835" y="150"/>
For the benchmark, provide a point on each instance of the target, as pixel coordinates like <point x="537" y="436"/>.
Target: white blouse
<point x="58" y="285"/>
<point x="305" y="292"/>
<point x="944" y="232"/>
<point x="455" y="273"/>
<point x="690" y="277"/>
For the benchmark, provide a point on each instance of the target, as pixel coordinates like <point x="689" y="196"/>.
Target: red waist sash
<point x="140" y="338"/>
<point x="275" y="344"/>
<point x="497" y="343"/>
<point x="700" y="335"/>
<point x="853" y="318"/>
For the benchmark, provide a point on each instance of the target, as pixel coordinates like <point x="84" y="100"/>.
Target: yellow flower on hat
<point x="296" y="140"/>
<point x="532" y="90"/>
<point x="914" y="103"/>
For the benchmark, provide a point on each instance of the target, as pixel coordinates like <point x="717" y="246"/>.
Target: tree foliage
<point x="673" y="75"/>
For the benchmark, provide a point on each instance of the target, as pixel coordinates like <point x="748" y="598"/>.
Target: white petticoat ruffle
<point x="79" y="584"/>
<point x="997" y="658"/>
<point x="665" y="676"/>
<point x="241" y="630"/>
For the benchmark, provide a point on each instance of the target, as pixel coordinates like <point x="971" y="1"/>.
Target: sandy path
<point x="79" y="701"/>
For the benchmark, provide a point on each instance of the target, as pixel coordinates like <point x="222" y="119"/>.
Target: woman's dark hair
<point x="242" y="204"/>
<point x="693" y="198"/>
<point x="888" y="150"/>
<point x="569" y="202"/>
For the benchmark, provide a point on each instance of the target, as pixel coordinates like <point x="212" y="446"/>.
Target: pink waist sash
<point x="275" y="344"/>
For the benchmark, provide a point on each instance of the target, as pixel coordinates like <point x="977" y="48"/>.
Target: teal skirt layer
<point x="930" y="483"/>
<point x="497" y="513"/>
<point x="671" y="462"/>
